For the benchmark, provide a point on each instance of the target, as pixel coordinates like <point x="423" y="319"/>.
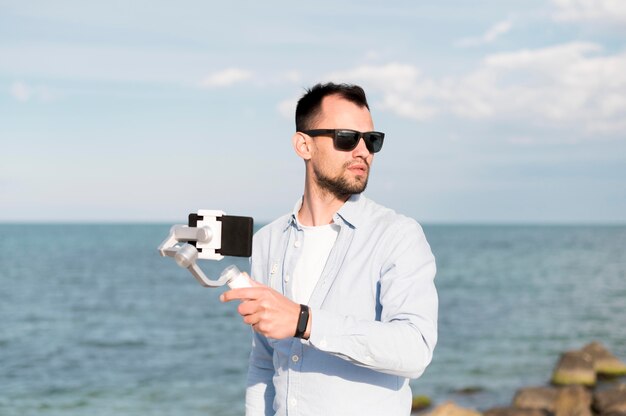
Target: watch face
<point x="302" y="321"/>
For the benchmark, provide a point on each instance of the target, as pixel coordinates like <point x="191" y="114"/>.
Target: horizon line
<point x="423" y="223"/>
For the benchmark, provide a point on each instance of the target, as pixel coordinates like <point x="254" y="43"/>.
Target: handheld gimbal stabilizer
<point x="210" y="235"/>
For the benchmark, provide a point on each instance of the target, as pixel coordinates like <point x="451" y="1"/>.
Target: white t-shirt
<point x="316" y="245"/>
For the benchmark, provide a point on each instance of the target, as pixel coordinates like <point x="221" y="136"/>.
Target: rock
<point x="611" y="401"/>
<point x="573" y="401"/>
<point x="469" y="390"/>
<point x="574" y="367"/>
<point x="604" y="362"/>
<point x="514" y="411"/>
<point x="451" y="409"/>
<point x="539" y="398"/>
<point x="420" y="403"/>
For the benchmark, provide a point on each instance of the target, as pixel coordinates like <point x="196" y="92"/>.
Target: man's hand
<point x="267" y="311"/>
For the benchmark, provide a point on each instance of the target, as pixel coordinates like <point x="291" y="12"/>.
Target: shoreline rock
<point x="514" y="411"/>
<point x="420" y="403"/>
<point x="573" y="400"/>
<point x="611" y="401"/>
<point x="604" y="362"/>
<point x="574" y="390"/>
<point x="536" y="398"/>
<point x="574" y="367"/>
<point x="451" y="409"/>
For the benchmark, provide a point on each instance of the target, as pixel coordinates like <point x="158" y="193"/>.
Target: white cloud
<point x="23" y="92"/>
<point x="372" y="55"/>
<point x="569" y="85"/>
<point x="85" y="62"/>
<point x="292" y="76"/>
<point x="287" y="108"/>
<point x="20" y="91"/>
<point x="603" y="10"/>
<point x="489" y="36"/>
<point x="406" y="92"/>
<point x="226" y="78"/>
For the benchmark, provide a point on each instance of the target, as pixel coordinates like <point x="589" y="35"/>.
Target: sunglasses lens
<point x="346" y="139"/>
<point x="374" y="141"/>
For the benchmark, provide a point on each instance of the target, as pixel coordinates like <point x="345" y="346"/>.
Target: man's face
<point x="341" y="173"/>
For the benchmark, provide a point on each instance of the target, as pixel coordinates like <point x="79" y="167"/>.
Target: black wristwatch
<point x="303" y="320"/>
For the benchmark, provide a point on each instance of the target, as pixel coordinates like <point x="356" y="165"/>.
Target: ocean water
<point x="94" y="322"/>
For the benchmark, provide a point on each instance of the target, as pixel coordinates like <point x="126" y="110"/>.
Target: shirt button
<point x="295" y="358"/>
<point x="293" y="402"/>
<point x="287" y="277"/>
<point x="297" y="244"/>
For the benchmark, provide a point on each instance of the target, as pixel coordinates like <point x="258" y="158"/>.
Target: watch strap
<point x="303" y="320"/>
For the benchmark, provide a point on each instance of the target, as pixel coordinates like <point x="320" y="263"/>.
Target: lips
<point x="359" y="168"/>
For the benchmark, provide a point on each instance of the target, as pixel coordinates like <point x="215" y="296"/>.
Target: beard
<point x="339" y="186"/>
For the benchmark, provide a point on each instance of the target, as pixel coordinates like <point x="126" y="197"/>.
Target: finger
<point x="244" y="293"/>
<point x="248" y="307"/>
<point x="251" y="320"/>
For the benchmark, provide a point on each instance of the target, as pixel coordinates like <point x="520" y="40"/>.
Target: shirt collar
<point x="350" y="212"/>
<point x="293" y="218"/>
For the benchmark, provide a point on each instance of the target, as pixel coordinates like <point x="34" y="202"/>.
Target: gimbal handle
<point x="186" y="256"/>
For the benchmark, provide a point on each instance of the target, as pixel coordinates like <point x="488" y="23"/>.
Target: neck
<point x="318" y="205"/>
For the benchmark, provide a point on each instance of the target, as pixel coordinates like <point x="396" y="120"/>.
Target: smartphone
<point x="236" y="234"/>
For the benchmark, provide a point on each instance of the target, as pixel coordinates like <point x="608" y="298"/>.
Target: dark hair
<point x="310" y="105"/>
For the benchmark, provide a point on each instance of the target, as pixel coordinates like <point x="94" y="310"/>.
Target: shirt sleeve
<point x="402" y="342"/>
<point x="260" y="388"/>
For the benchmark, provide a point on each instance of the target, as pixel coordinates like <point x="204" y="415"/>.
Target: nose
<point x="361" y="149"/>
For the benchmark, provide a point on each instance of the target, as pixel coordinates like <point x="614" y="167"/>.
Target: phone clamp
<point x="210" y="235"/>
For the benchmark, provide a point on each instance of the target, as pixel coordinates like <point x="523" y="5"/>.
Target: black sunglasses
<point x="344" y="139"/>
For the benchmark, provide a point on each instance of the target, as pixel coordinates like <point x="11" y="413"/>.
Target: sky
<point x="494" y="111"/>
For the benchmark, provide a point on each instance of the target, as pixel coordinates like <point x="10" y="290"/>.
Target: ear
<point x="301" y="144"/>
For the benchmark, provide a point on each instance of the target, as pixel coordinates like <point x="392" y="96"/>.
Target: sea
<point x="94" y="322"/>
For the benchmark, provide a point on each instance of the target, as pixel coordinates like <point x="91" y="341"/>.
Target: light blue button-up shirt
<point x="374" y="318"/>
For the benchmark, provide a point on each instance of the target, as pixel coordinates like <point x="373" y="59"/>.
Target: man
<point x="345" y="308"/>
